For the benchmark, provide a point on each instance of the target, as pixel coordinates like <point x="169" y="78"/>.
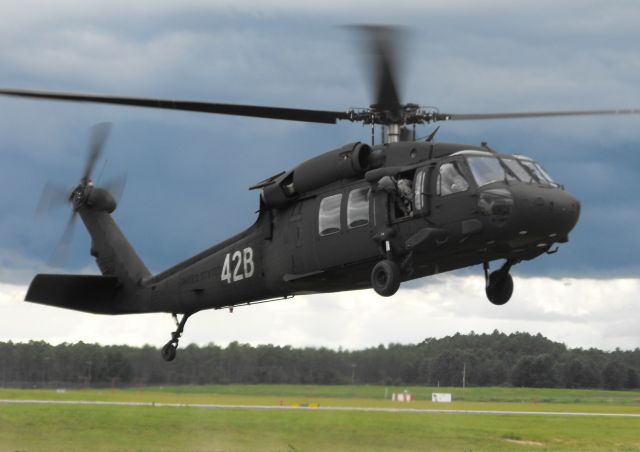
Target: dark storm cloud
<point x="188" y="173"/>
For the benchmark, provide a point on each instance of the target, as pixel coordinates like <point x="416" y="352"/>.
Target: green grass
<point x="105" y="428"/>
<point x="110" y="428"/>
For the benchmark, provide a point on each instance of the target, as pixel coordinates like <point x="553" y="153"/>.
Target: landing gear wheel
<point x="169" y="351"/>
<point x="385" y="278"/>
<point x="499" y="287"/>
<point x="170" y="348"/>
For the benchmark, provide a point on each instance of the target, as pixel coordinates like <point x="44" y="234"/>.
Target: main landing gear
<point x="499" y="283"/>
<point x="386" y="277"/>
<point x="170" y="348"/>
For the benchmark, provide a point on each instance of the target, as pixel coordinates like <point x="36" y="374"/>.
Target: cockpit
<point x="487" y="168"/>
<point x="464" y="169"/>
<point x="489" y="201"/>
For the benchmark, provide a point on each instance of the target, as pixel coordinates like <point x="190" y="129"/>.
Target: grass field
<point x="54" y="427"/>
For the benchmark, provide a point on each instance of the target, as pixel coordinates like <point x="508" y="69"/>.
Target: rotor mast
<point x="393" y="133"/>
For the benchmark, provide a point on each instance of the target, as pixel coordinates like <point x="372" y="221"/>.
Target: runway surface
<point x="303" y="408"/>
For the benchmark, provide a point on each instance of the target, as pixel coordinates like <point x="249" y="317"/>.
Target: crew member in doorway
<point x="405" y="199"/>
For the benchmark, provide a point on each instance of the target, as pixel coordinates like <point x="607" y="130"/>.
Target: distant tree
<point x="534" y="371"/>
<point x="614" y="375"/>
<point x="579" y="375"/>
<point x="633" y="382"/>
<point x="569" y="373"/>
<point x="520" y="359"/>
<point x="447" y="368"/>
<point x="591" y="377"/>
<point x="112" y="368"/>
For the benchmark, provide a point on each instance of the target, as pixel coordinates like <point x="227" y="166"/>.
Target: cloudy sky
<point x="188" y="173"/>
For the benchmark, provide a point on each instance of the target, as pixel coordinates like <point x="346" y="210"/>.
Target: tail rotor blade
<point x="53" y="196"/>
<point x="61" y="254"/>
<point x="116" y="186"/>
<point x="99" y="135"/>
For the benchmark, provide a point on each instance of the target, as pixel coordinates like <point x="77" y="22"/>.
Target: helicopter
<point x="363" y="215"/>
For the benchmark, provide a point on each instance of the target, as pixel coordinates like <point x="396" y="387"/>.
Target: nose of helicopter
<point x="564" y="211"/>
<point x="545" y="213"/>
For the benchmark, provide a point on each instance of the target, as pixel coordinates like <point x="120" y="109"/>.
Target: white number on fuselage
<point x="242" y="263"/>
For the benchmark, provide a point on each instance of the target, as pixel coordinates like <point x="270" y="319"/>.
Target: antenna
<point x="432" y="135"/>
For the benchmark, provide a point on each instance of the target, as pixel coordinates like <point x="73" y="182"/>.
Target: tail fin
<point x="123" y="271"/>
<point x="117" y="291"/>
<point x="95" y="294"/>
<point x="114" y="254"/>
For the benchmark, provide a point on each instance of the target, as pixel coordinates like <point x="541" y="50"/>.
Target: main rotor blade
<point x="384" y="48"/>
<point x="61" y="253"/>
<point x="290" y="114"/>
<point x="53" y="195"/>
<point x="538" y="114"/>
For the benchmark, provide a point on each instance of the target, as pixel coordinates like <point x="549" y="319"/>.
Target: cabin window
<point x="450" y="180"/>
<point x="329" y="215"/>
<point x="358" y="207"/>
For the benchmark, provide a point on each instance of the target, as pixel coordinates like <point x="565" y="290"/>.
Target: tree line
<point x="496" y="359"/>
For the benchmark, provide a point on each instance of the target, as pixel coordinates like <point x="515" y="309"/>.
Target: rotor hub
<point x="406" y="115"/>
<point x="79" y="195"/>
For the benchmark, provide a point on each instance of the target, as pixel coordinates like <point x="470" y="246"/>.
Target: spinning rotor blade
<point x="116" y="186"/>
<point x="99" y="135"/>
<point x="61" y="254"/>
<point x="290" y="114"/>
<point x="53" y="196"/>
<point x="383" y="43"/>
<point x="539" y="114"/>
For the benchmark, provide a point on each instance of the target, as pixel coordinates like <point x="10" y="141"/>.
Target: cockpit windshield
<point x="486" y="169"/>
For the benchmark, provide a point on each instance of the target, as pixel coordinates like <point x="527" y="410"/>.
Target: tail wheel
<point x="169" y="351"/>
<point x="500" y="287"/>
<point x="385" y="278"/>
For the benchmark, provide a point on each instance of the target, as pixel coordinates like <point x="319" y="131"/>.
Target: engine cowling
<point x="349" y="161"/>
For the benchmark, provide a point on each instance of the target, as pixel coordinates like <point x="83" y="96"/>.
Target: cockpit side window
<point x="539" y="174"/>
<point x="516" y="168"/>
<point x="545" y="174"/>
<point x="419" y="188"/>
<point x="450" y="180"/>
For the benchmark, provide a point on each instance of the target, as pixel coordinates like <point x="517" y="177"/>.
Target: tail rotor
<point x="99" y="134"/>
<point x="54" y="195"/>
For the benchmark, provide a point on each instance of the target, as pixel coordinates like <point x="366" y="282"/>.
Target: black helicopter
<point x="359" y="216"/>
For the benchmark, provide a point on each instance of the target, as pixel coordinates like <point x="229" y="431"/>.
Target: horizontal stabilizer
<point x="95" y="294"/>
